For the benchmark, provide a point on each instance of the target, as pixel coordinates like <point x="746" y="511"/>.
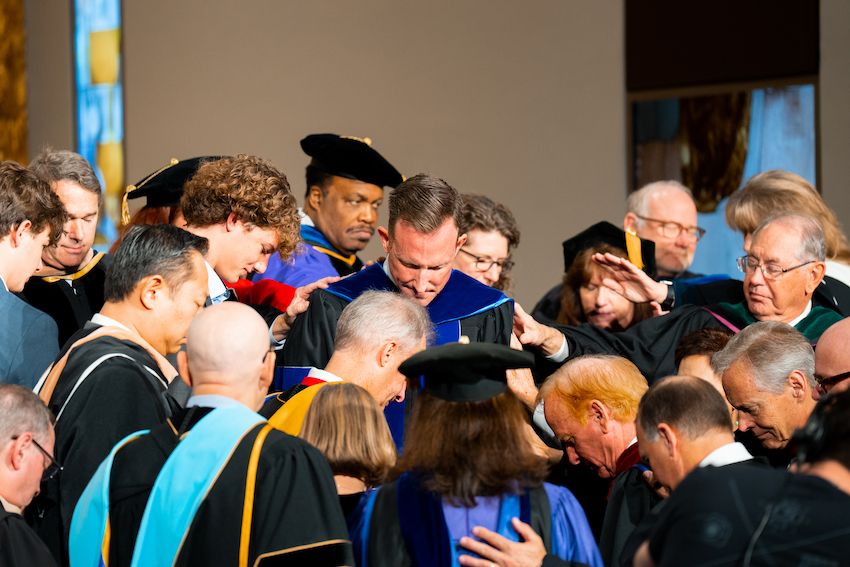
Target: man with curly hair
<point x="243" y="206"/>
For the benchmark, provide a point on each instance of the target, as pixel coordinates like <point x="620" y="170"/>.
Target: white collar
<point x="104" y="321"/>
<point x="211" y="401"/>
<point x="9" y="507"/>
<point x="802" y="315"/>
<point x="216" y="289"/>
<point x="324" y="375"/>
<point x="305" y="218"/>
<point x="4" y="283"/>
<point x="726" y="455"/>
<point x="386" y="267"/>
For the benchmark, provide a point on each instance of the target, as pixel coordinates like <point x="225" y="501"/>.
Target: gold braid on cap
<point x="125" y="206"/>
<point x="367" y="140"/>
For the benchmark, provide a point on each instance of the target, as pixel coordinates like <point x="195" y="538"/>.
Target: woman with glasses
<point x="26" y="430"/>
<point x="492" y="235"/>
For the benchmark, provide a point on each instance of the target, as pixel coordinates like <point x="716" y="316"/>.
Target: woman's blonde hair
<point x="346" y="424"/>
<point x="778" y="192"/>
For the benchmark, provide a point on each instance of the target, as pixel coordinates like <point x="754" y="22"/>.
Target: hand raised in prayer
<point x="495" y="549"/>
<point x="531" y="333"/>
<point x="629" y="281"/>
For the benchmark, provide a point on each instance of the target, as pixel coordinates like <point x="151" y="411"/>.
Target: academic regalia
<point x="71" y="306"/>
<point x="651" y="344"/>
<point x="630" y="500"/>
<point x="108" y="388"/>
<point x="297" y="400"/>
<point x="713" y="515"/>
<point x="402" y="524"/>
<point x="465" y="307"/>
<point x="314" y="258"/>
<point x="19" y="545"/>
<point x="293" y="514"/>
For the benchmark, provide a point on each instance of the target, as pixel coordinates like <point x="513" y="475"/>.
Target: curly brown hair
<point x="251" y="188"/>
<point x="578" y="275"/>
<point x="460" y="448"/>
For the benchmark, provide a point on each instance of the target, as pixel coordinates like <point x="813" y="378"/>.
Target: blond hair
<point x="778" y="192"/>
<point x="612" y="380"/>
<point x="345" y="423"/>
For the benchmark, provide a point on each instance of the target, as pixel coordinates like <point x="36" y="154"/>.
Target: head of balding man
<point x="832" y="360"/>
<point x="227" y="354"/>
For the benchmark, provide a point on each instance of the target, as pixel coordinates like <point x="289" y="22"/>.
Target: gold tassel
<point x="633" y="249"/>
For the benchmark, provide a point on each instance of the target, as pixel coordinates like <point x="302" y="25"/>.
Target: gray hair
<point x="64" y="165"/>
<point x="812" y="242"/>
<point x="638" y="201"/>
<point x="772" y="350"/>
<point x="22" y="411"/>
<point x="378" y="316"/>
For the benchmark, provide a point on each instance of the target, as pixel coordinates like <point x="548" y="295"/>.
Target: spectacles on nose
<point x="749" y="264"/>
<point x="672" y="229"/>
<point x="484" y="264"/>
<point x="53" y="468"/>
<point x="825" y="384"/>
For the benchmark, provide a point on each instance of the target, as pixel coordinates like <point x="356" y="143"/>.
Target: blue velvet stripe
<point x="88" y="525"/>
<point x="423" y="525"/>
<point x="312" y="235"/>
<point x="361" y="529"/>
<point x="286" y="377"/>
<point x="184" y="482"/>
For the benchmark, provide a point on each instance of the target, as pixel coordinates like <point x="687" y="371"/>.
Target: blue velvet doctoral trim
<point x="312" y="235"/>
<point x="423" y="524"/>
<point x="462" y="297"/>
<point x="184" y="482"/>
<point x="91" y="514"/>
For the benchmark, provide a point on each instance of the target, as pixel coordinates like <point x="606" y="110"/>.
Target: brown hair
<point x="460" y="448"/>
<point x="612" y="380"/>
<point x="25" y="196"/>
<point x="61" y="165"/>
<point x="776" y="192"/>
<point x="252" y="188"/>
<point x="345" y="423"/>
<point x="691" y="405"/>
<point x="702" y="342"/>
<point x="484" y="214"/>
<point x="424" y="202"/>
<point x="579" y="274"/>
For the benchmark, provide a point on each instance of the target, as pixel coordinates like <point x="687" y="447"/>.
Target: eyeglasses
<point x="672" y="229"/>
<point x="749" y="264"/>
<point x="484" y="264"/>
<point x="53" y="468"/>
<point x="827" y="384"/>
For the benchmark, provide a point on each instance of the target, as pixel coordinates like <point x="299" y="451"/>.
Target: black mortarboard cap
<point x="640" y="252"/>
<point x="164" y="187"/>
<point x="354" y="158"/>
<point x="461" y="372"/>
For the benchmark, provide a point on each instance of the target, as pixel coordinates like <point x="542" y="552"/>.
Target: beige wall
<point x="523" y="101"/>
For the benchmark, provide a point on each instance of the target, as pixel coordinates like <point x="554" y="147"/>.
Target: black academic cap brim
<point x="350" y="157"/>
<point x="460" y="372"/>
<point x="605" y="233"/>
<point x="164" y="187"/>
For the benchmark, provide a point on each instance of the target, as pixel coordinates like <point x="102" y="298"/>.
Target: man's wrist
<point x="665" y="295"/>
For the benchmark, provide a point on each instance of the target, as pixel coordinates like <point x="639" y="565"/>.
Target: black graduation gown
<point x="295" y="501"/>
<point x="19" y="545"/>
<point x="71" y="306"/>
<point x="712" y="516"/>
<point x="311" y="340"/>
<point x="121" y="395"/>
<point x="651" y="344"/>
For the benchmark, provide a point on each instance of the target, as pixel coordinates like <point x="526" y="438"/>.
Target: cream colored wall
<point x="522" y="101"/>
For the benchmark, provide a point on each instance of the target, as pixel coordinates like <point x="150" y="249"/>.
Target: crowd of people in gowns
<point x="231" y="383"/>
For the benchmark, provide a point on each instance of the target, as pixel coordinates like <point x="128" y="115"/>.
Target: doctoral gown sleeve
<point x="650" y="344"/>
<point x="572" y="539"/>
<point x="310" y="341"/>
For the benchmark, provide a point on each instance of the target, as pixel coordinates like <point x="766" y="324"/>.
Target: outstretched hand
<point x="531" y="333"/>
<point x="301" y="301"/>
<point x="495" y="549"/>
<point x="628" y="280"/>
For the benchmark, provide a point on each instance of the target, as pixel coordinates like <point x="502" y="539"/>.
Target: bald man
<point x="249" y="490"/>
<point x="832" y="360"/>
